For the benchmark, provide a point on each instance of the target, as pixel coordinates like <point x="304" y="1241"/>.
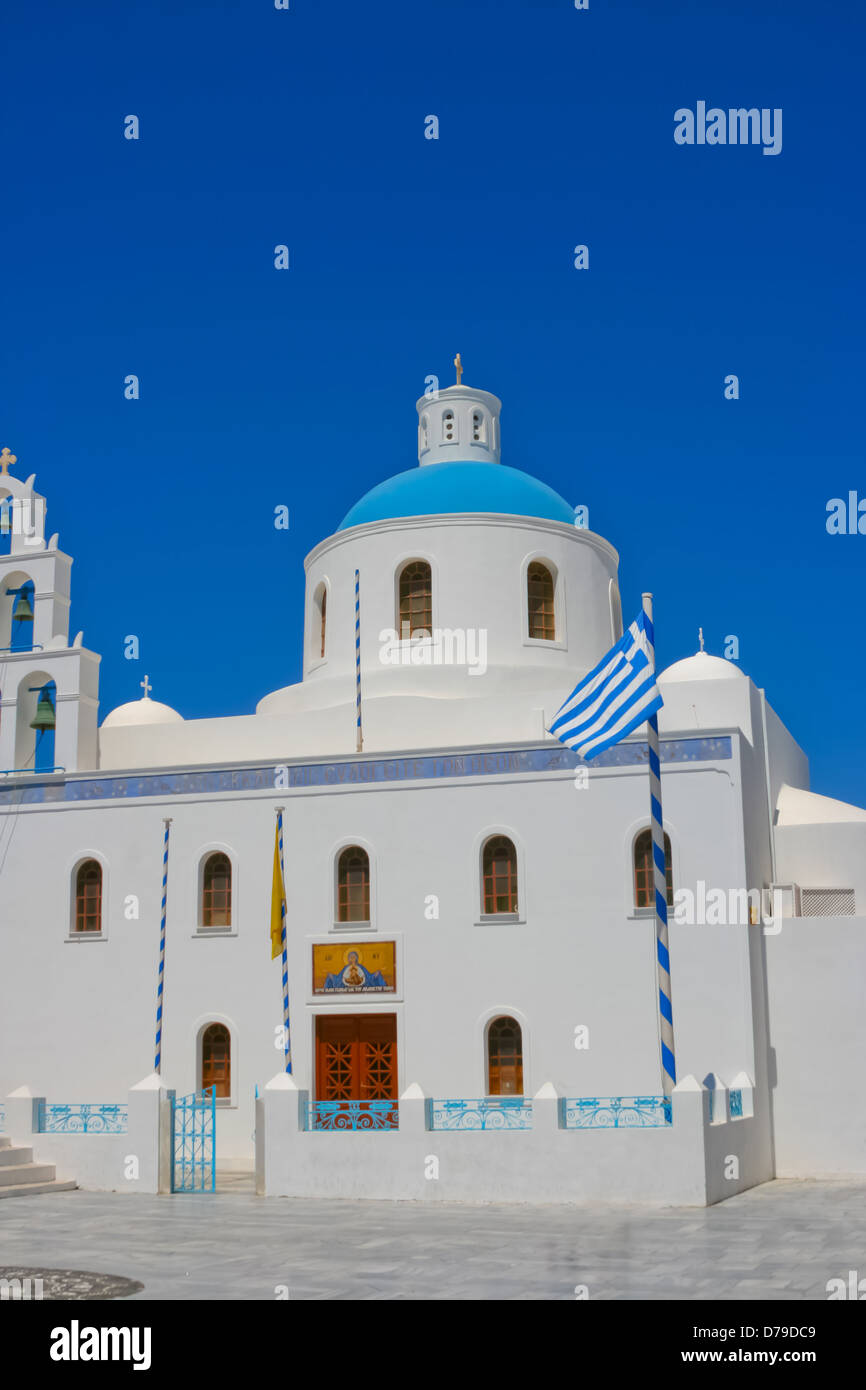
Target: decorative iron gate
<point x="193" y="1126"/>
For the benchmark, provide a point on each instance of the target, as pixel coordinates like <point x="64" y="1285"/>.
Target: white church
<point x="471" y="970"/>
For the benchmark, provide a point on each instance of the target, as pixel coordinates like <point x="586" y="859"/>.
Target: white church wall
<point x="78" y="1014"/>
<point x="815" y="973"/>
<point x="677" y="1164"/>
<point x="826" y="855"/>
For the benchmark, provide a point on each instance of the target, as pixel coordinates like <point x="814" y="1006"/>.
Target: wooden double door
<point x="356" y="1057"/>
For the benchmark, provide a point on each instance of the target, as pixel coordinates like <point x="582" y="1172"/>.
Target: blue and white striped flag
<point x="614" y="698"/>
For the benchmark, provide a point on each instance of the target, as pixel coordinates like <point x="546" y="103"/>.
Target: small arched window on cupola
<point x="479" y="427"/>
<point x="415" y="600"/>
<point x="449" y="427"/>
<point x="320" y="623"/>
<point x="540" y="597"/>
<point x="424" y="433"/>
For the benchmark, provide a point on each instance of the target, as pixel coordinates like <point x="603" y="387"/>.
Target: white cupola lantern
<point x="458" y="425"/>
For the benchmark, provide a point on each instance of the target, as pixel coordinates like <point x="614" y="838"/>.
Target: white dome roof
<point x="143" y="711"/>
<point x="798" y="807"/>
<point x="702" y="667"/>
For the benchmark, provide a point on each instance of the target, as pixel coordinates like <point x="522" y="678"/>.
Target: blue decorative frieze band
<point x="83" y="1119"/>
<point x="615" y="1112"/>
<point x="357" y="772"/>
<point x="351" y="1114"/>
<point x="496" y="1112"/>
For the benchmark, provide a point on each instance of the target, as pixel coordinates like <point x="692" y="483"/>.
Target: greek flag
<point x="614" y="698"/>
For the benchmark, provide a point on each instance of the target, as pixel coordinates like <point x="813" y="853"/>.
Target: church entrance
<point x="356" y="1069"/>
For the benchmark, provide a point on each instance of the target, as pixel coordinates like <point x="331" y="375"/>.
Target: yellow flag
<point x="278" y="899"/>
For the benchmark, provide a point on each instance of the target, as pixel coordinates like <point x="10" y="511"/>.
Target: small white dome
<point x="702" y="667"/>
<point x="143" y="711"/>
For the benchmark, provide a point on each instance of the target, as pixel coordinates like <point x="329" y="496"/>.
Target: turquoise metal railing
<point x="82" y="1119"/>
<point x="488" y="1112"/>
<point x="615" y="1112"/>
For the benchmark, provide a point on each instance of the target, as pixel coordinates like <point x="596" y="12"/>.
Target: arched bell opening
<point x="36" y="723"/>
<point x="17" y="612"/>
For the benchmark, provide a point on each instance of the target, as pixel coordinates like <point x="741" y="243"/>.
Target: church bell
<point x="44" y="717"/>
<point x="24" y="610"/>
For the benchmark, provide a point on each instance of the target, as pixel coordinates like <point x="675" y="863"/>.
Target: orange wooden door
<point x="356" y="1057"/>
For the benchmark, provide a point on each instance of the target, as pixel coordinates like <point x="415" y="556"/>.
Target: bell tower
<point x="49" y="690"/>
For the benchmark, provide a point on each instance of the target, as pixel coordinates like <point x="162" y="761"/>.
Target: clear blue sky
<point x="261" y="387"/>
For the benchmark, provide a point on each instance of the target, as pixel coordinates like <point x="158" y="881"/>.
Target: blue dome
<point x="441" y="488"/>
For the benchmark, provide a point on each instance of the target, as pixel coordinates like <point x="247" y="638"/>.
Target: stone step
<point x="15" y="1155"/>
<point x="5" y="1141"/>
<point x="32" y="1189"/>
<point x="14" y="1173"/>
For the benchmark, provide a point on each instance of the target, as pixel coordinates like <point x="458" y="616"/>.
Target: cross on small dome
<point x="146" y="687"/>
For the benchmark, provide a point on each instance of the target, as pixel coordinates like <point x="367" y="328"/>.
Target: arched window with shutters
<point x="499" y="877"/>
<point x="216" y="1060"/>
<point x="88" y="897"/>
<point x="644" y="879"/>
<point x="216" y="891"/>
<point x="415" y="599"/>
<point x="353" y="885"/>
<point x="504" y="1057"/>
<point x="540" y="596"/>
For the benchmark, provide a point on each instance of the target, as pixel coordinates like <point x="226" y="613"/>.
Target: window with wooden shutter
<point x="353" y="885"/>
<point x="216" y="892"/>
<point x="540" y="599"/>
<point x="216" y="1060"/>
<point x="644" y="877"/>
<point x="499" y="875"/>
<point x="504" y="1058"/>
<point x="88" y="896"/>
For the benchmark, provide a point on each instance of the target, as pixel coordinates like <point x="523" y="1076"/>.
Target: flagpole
<point x="663" y="961"/>
<point x="359" y="736"/>
<point x="287" y="1040"/>
<point x="157" y="1060"/>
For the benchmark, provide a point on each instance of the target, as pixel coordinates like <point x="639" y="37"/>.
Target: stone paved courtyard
<point x="783" y="1240"/>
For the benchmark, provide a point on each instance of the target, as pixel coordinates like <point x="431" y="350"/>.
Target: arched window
<point x="216" y="1060"/>
<point x="615" y="611"/>
<point x="499" y="875"/>
<point x="478" y="430"/>
<point x="416" y="599"/>
<point x="449" y="429"/>
<point x="504" y="1058"/>
<point x="321" y="609"/>
<point x="539" y="593"/>
<point x="644" y="880"/>
<point x="353" y="885"/>
<point x="216" y="891"/>
<point x="425" y="432"/>
<point x="88" y="896"/>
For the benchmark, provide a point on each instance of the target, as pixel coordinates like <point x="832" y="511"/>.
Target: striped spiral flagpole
<point x="359" y="737"/>
<point x="663" y="960"/>
<point x="157" y="1061"/>
<point x="287" y="1037"/>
